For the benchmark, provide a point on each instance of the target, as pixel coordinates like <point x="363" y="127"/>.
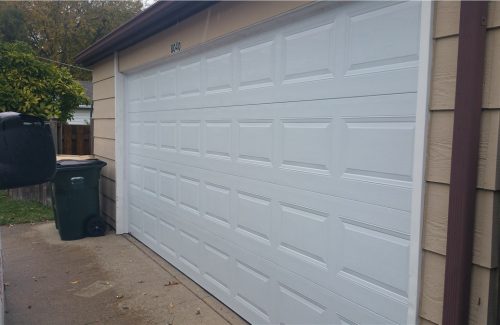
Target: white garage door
<point x="274" y="167"/>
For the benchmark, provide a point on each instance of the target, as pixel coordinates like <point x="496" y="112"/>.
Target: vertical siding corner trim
<point x="121" y="220"/>
<point x="464" y="161"/>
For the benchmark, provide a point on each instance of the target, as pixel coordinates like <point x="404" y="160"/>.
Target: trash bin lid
<point x="77" y="164"/>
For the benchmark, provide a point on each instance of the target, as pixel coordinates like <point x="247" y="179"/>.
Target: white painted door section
<point x="274" y="166"/>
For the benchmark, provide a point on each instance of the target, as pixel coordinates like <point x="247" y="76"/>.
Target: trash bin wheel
<point x="95" y="226"/>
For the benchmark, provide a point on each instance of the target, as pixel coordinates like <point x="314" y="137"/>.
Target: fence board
<point x="75" y="140"/>
<point x="39" y="193"/>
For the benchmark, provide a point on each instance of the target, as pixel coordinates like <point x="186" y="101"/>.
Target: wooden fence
<point x="39" y="193"/>
<point x="73" y="140"/>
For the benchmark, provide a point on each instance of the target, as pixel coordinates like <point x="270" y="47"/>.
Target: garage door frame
<point x="424" y="66"/>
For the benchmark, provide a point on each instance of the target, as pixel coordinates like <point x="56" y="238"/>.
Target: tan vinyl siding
<point x="432" y="286"/>
<point x="444" y="73"/>
<point x="493" y="14"/>
<point x="482" y="303"/>
<point x="104" y="128"/>
<point x="104" y="148"/>
<point x="491" y="98"/>
<point x="440" y="146"/>
<point x="108" y="207"/>
<point x="439" y="140"/>
<point x="436" y="224"/>
<point x="104" y="108"/>
<point x="103" y="119"/>
<point x="109" y="171"/>
<point x="104" y="89"/>
<point x="484" y="287"/>
<point x="108" y="187"/>
<point x="104" y="69"/>
<point x="216" y="21"/>
<point x="446" y="18"/>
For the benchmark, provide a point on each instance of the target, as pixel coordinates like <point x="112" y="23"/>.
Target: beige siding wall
<point x="103" y="118"/>
<point x="483" y="300"/>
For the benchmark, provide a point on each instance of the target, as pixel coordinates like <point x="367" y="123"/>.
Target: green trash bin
<point x="75" y="198"/>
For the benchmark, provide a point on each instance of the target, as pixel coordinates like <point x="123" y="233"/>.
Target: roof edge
<point x="159" y="16"/>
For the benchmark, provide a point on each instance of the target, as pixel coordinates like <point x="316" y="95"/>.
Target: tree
<point x="59" y="30"/>
<point x="31" y="86"/>
<point x="12" y="23"/>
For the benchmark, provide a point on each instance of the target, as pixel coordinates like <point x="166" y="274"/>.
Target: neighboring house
<point x="82" y="115"/>
<point x="295" y="158"/>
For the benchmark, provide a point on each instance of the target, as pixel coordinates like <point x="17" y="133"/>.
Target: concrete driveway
<point x="105" y="280"/>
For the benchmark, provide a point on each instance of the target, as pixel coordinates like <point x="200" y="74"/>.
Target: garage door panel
<point x="245" y="276"/>
<point x="397" y="81"/>
<point x="378" y="29"/>
<point x="317" y="236"/>
<point x="355" y="148"/>
<point x="273" y="66"/>
<point x="168" y="240"/>
<point x="280" y="183"/>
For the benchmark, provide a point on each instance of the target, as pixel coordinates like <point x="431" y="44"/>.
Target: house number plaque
<point x="175" y="47"/>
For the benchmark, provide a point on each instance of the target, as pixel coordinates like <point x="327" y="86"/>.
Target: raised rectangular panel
<point x="375" y="257"/>
<point x="150" y="180"/>
<point x="307" y="145"/>
<point x="167" y="83"/>
<point x="379" y="148"/>
<point x="134" y="89"/>
<point x="218" y="139"/>
<point x="217" y="203"/>
<point x="167" y="237"/>
<point x="190" y="79"/>
<point x="190" y="137"/>
<point x="149" y="87"/>
<point x="189" y="250"/>
<point x="168" y="187"/>
<point x="189" y="194"/>
<point x="297" y="308"/>
<point x="150" y="226"/>
<point x="255" y="143"/>
<point x="168" y="135"/>
<point x="218" y="270"/>
<point x="219" y="73"/>
<point x="257" y="66"/>
<point x="390" y="34"/>
<point x="253" y="290"/>
<point x="299" y="66"/>
<point x="304" y="234"/>
<point x="135" y="134"/>
<point x="254" y="216"/>
<point x="149" y="130"/>
<point x="135" y="176"/>
<point x="136" y="218"/>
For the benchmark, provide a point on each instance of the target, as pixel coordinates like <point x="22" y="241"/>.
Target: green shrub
<point x="31" y="86"/>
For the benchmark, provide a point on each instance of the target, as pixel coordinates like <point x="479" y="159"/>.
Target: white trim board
<point x="419" y="159"/>
<point x="120" y="152"/>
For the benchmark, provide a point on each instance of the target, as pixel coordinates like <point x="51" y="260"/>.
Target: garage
<point x="274" y="166"/>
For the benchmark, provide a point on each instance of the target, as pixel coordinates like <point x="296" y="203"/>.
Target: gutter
<point x="464" y="161"/>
